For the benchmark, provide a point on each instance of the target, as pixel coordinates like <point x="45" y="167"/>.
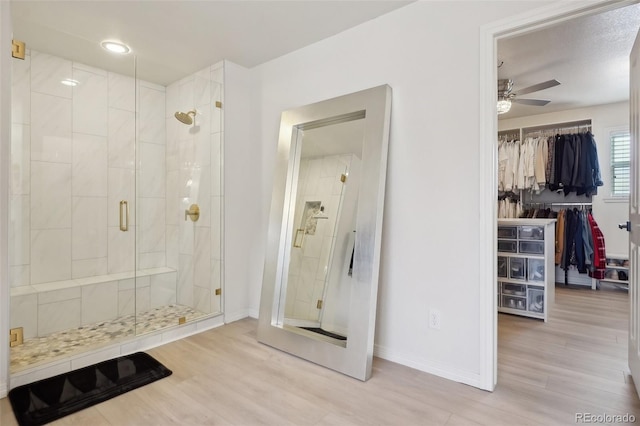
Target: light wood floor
<point x="547" y="373"/>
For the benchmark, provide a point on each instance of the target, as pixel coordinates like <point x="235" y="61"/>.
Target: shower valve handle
<point x="193" y="212"/>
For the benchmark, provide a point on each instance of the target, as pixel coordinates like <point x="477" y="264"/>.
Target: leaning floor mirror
<point x="322" y="263"/>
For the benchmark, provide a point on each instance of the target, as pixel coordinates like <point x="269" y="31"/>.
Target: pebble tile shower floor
<point x="39" y="350"/>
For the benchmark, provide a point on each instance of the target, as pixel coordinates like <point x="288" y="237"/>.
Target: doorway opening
<point x="554" y="15"/>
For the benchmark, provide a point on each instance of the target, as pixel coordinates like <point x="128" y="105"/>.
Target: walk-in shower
<point x="101" y="249"/>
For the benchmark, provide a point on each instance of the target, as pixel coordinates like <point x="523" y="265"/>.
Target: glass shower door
<point x="73" y="162"/>
<point x="179" y="197"/>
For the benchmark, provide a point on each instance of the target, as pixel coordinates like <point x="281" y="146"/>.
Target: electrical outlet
<point x="435" y="319"/>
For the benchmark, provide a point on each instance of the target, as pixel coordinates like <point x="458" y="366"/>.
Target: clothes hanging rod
<point x="560" y="204"/>
<point x="558" y="126"/>
<point x="509" y="132"/>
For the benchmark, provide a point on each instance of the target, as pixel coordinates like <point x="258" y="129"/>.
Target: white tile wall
<point x="126" y="297"/>
<point x="58" y="316"/>
<point x="89" y="267"/>
<point x="90" y="102"/>
<point x="19" y="235"/>
<point x="121" y="250"/>
<point x="24" y="313"/>
<point x="318" y="180"/>
<point x="99" y="302"/>
<point x="162" y="289"/>
<point x="194" y="162"/>
<point x="50" y="128"/>
<point x="89" y="239"/>
<point x="50" y="195"/>
<point x="152" y="170"/>
<point x="90" y="166"/>
<point x="122" y="92"/>
<point x="152" y="115"/>
<point x="74" y="159"/>
<point x="20" y="159"/>
<point x="50" y="255"/>
<point x="21" y="90"/>
<point x="47" y="71"/>
<point x="121" y="128"/>
<point x="151" y="224"/>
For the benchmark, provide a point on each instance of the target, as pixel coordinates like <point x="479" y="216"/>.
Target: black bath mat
<point x="47" y="400"/>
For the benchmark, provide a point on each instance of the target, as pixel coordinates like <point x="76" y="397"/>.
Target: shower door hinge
<point x="16" y="336"/>
<point x="343" y="178"/>
<point x="319" y="304"/>
<point x="18" y="49"/>
<point x="218" y="291"/>
<point x="218" y="104"/>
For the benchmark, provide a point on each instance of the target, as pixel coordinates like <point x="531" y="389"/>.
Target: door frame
<point x="532" y="20"/>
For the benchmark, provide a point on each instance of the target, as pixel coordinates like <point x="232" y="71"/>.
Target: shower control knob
<point x="193" y="213"/>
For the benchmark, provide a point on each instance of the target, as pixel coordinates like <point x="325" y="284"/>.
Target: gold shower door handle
<point x="124" y="216"/>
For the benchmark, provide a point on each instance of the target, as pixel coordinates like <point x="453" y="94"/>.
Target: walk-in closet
<point x="562" y="257"/>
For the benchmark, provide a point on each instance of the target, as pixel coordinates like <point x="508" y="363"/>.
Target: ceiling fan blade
<point x="539" y="86"/>
<point x="534" y="102"/>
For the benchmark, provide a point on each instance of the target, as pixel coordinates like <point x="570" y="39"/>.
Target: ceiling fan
<point x="506" y="95"/>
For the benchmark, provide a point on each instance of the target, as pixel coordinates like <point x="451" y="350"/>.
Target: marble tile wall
<point x="73" y="160"/>
<point x="318" y="180"/>
<point x="46" y="312"/>
<point x="194" y="176"/>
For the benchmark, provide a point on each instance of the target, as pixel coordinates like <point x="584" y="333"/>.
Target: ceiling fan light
<point x="504" y="105"/>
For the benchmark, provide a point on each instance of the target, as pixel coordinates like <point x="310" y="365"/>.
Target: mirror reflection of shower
<point x="318" y="282"/>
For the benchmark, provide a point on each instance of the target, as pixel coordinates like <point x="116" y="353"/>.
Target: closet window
<point x="620" y="163"/>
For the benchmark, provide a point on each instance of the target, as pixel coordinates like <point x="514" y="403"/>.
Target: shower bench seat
<point x="45" y="308"/>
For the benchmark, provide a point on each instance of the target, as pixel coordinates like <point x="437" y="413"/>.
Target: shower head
<point x="185" y="117"/>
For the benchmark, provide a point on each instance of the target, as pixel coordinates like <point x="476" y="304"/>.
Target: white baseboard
<point x="236" y="316"/>
<point x="4" y="389"/>
<point x="437" y="369"/>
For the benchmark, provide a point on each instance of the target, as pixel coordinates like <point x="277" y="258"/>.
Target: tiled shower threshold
<point x="97" y="341"/>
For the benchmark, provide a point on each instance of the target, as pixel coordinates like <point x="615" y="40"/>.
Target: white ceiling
<point x="589" y="56"/>
<point x="172" y="39"/>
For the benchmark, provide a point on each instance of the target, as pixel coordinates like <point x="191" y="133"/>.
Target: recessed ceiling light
<point x="115" y="46"/>
<point x="70" y="82"/>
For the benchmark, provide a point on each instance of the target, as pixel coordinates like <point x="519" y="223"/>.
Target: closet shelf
<point x="610" y="280"/>
<point x="622" y="268"/>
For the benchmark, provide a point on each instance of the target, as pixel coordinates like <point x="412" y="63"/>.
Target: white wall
<point x="244" y="254"/>
<point x="431" y="239"/>
<point x="607" y="212"/>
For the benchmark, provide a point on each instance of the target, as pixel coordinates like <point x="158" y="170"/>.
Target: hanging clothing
<point x="551" y="144"/>
<point x="541" y="159"/>
<point x="508" y="161"/>
<point x="592" y="178"/>
<point x="579" y="244"/>
<point x="599" y="252"/>
<point x="559" y="237"/>
<point x="587" y="239"/>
